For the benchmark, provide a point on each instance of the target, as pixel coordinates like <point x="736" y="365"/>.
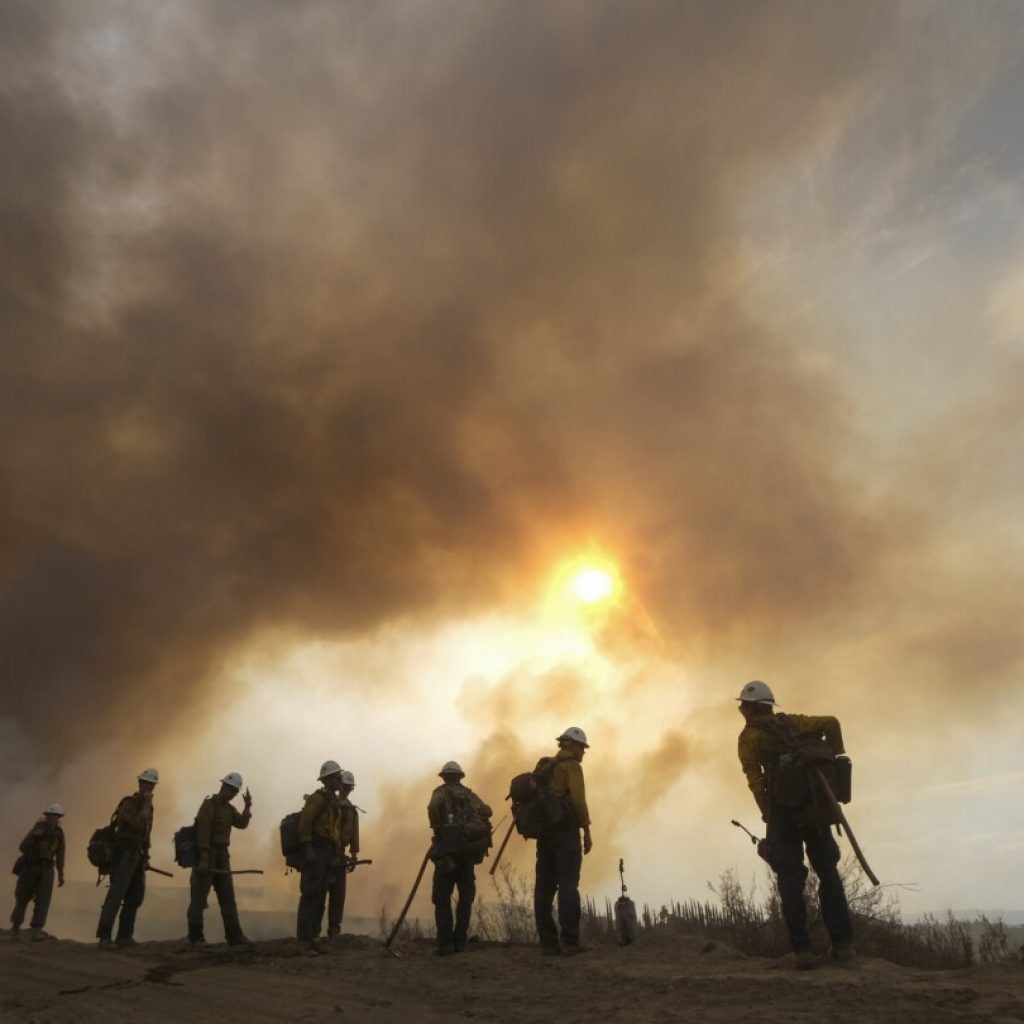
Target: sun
<point x="593" y="584"/>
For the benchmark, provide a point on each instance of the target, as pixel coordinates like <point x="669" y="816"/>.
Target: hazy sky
<point x="332" y="331"/>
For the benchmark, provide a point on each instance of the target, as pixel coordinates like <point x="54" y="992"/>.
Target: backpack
<point x="794" y="780"/>
<point x="102" y="849"/>
<point x="535" y="809"/>
<point x="466" y="833"/>
<point x="186" y="849"/>
<point x="291" y="848"/>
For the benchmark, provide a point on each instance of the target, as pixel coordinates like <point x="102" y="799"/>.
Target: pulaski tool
<point x="408" y="903"/>
<point x="837" y="807"/>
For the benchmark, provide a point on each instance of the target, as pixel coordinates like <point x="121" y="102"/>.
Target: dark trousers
<point x="224" y="887"/>
<point x="788" y="838"/>
<point x="126" y="893"/>
<point x="559" y="859"/>
<point x="313" y="888"/>
<point x="337" y="878"/>
<point x="452" y="873"/>
<point x="35" y="882"/>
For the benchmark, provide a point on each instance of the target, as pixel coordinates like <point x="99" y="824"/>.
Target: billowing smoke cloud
<point x="317" y="317"/>
<point x="298" y="342"/>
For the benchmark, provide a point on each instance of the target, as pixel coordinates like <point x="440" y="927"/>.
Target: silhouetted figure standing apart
<point x="792" y="829"/>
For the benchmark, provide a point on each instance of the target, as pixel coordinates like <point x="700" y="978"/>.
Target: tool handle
<point x="753" y="838"/>
<point x="408" y="902"/>
<point x="846" y="825"/>
<point x="158" y="871"/>
<point x="501" y="849"/>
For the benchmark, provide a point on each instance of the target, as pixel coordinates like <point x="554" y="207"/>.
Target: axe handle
<point x="837" y="807"/>
<point x="243" y="871"/>
<point x="408" y="902"/>
<point x="501" y="849"/>
<point x="158" y="871"/>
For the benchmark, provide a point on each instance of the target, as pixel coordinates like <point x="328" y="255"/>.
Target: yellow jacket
<point x="321" y="816"/>
<point x="567" y="782"/>
<point x="214" y="822"/>
<point x="134" y="820"/>
<point x="349" y="828"/>
<point x="759" y="750"/>
<point x="45" y="844"/>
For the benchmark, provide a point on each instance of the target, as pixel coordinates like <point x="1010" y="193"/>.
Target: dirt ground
<point x="677" y="979"/>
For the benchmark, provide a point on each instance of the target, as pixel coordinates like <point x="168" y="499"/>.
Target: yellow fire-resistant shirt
<point x="321" y="816"/>
<point x="214" y="823"/>
<point x="567" y="782"/>
<point x="44" y="844"/>
<point x="759" y="750"/>
<point x="349" y="828"/>
<point x="134" y="820"/>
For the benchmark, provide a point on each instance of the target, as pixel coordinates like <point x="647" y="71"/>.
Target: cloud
<point x="320" y="318"/>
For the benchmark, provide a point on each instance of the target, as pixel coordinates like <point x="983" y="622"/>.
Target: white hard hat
<point x="348" y="779"/>
<point x="149" y="775"/>
<point x="54" y="809"/>
<point x="233" y="779"/>
<point x="574" y="732"/>
<point x="329" y="768"/>
<point x="451" y="768"/>
<point x="756" y="692"/>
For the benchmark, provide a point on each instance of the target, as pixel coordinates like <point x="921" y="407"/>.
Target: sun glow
<point x="584" y="585"/>
<point x="593" y="584"/>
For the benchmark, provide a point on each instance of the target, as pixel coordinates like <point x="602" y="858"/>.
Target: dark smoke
<point x="320" y="315"/>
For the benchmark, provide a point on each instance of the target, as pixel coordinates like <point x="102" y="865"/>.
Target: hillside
<point x="675" y="979"/>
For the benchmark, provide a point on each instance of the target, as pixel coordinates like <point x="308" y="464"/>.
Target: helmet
<point x="329" y="768"/>
<point x="348" y="779"/>
<point x="451" y="768"/>
<point x="54" y="809"/>
<point x="574" y="733"/>
<point x="149" y="775"/>
<point x="756" y="692"/>
<point x="233" y="779"/>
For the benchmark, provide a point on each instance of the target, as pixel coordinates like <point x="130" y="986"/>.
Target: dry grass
<point x="751" y="921"/>
<point x="753" y="924"/>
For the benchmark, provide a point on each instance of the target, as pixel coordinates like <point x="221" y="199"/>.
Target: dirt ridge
<point x="671" y="979"/>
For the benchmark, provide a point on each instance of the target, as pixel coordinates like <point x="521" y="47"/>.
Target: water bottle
<point x="844" y="779"/>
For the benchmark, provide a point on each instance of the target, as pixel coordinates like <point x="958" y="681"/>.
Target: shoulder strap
<point x="117" y="809"/>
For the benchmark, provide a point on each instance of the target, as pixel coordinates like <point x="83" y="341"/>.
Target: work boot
<point x="126" y="942"/>
<point x="311" y="947"/>
<point x="240" y="940"/>
<point x="844" y="952"/>
<point x="15" y="933"/>
<point x="197" y="940"/>
<point x="546" y="950"/>
<point x="107" y="944"/>
<point x="805" y="960"/>
<point x="574" y="949"/>
<point x="38" y="935"/>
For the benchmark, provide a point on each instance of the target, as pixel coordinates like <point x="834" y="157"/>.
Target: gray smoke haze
<point x="315" y="317"/>
<point x="367" y="318"/>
